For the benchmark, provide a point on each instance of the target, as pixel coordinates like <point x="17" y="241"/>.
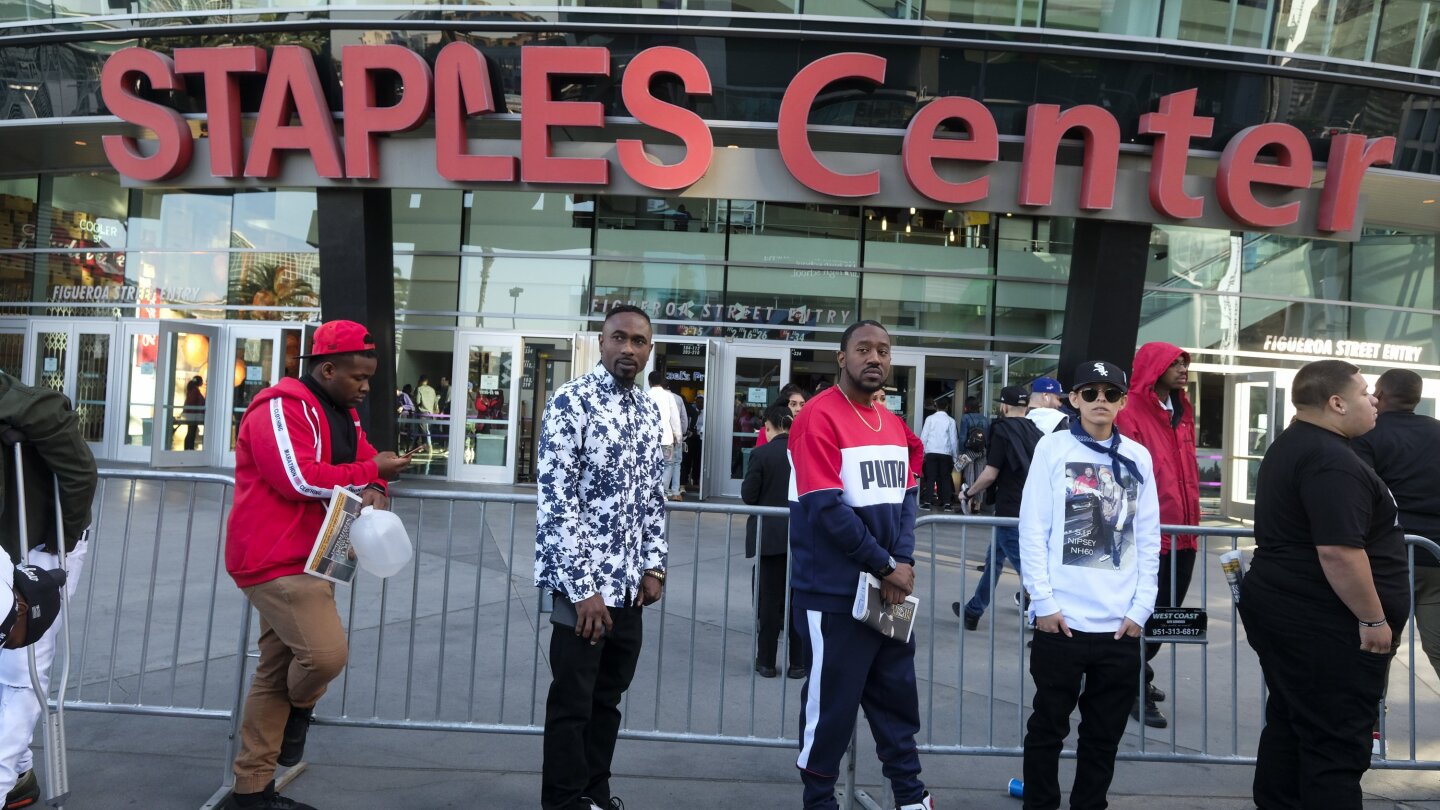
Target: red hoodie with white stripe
<point x="283" y="482"/>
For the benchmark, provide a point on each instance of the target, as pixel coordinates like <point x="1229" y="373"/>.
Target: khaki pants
<point x="1427" y="609"/>
<point x="302" y="649"/>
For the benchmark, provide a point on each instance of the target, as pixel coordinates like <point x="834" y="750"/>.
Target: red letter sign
<point x="117" y="88"/>
<point x="1350" y="156"/>
<point x="363" y="119"/>
<point x="462" y="87"/>
<point x="683" y="123"/>
<point x="293" y="87"/>
<point x="1238" y="171"/>
<point x="221" y="69"/>
<point x="1043" y="127"/>
<point x="921" y="148"/>
<point x="795" y="114"/>
<point x="540" y="112"/>
<point x="1173" y="127"/>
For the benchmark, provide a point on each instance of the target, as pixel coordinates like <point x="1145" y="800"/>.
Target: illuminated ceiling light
<point x="952" y="234"/>
<point x="883" y="224"/>
<point x="81" y="143"/>
<point x="912" y="210"/>
<point x="1009" y="215"/>
<point x="733" y="146"/>
<point x="1427" y="202"/>
<point x="907" y="229"/>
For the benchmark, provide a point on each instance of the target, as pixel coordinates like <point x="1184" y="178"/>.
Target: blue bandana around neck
<point x="1113" y="451"/>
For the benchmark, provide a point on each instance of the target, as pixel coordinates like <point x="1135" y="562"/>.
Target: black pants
<point x="1110" y="671"/>
<point x="771" y="610"/>
<point x="690" y="463"/>
<point x="1324" y="699"/>
<point x="582" y="713"/>
<point x="936" y="470"/>
<point x="1184" y="562"/>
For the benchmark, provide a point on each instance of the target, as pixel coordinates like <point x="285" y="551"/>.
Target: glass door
<point x="482" y="431"/>
<point x="256" y="357"/>
<point x="904" y="393"/>
<point x="705" y="436"/>
<point x="188" y="422"/>
<point x="752" y="379"/>
<point x="74" y="359"/>
<point x="547" y="365"/>
<point x="1255" y="413"/>
<point x="139" y="352"/>
<point x="12" y="352"/>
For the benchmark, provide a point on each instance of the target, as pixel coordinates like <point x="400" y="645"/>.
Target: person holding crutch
<point x="53" y="456"/>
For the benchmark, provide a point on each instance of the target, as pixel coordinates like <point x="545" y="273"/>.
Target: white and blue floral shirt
<point x="601" y="470"/>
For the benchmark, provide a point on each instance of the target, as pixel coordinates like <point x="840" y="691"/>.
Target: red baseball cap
<point x="340" y="337"/>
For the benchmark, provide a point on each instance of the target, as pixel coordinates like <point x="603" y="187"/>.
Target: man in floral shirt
<point x="600" y="549"/>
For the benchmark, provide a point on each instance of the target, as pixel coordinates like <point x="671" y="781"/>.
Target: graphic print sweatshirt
<point x="1090" y="535"/>
<point x="852" y="498"/>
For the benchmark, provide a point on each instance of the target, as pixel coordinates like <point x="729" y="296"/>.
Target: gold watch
<point x="658" y="574"/>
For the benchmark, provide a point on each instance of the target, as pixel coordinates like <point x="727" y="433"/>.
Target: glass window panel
<point x="895" y="9"/>
<point x="528" y="222"/>
<point x="514" y="293"/>
<point x="92" y="361"/>
<point x="84" y="276"/>
<point x="660" y="228"/>
<point x="253" y="368"/>
<point x="1394" y="269"/>
<point x="12" y="353"/>
<point x="426" y="219"/>
<point x="17" y="279"/>
<point x="984" y="12"/>
<point x="1033" y="248"/>
<point x="673" y="292"/>
<point x="813" y="234"/>
<point x="1306" y="26"/>
<point x="427" y="284"/>
<point x="1261" y="318"/>
<point x="275" y="220"/>
<point x="1029" y="310"/>
<point x="274" y="280"/>
<point x="926" y="303"/>
<point x="140" y="417"/>
<point x="161" y="281"/>
<point x="764" y="302"/>
<point x="1396" y="329"/>
<point x="178" y="220"/>
<point x="1188" y="258"/>
<point x="1275" y="264"/>
<point x="17" y="212"/>
<point x="182" y="412"/>
<point x="1187" y="319"/>
<point x="1235" y="22"/>
<point x="927" y="239"/>
<point x="51" y="350"/>
<point x="88" y="211"/>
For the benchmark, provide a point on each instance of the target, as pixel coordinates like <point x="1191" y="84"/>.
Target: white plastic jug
<point x="381" y="543"/>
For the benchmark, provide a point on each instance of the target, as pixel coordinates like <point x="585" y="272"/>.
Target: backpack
<point x="975" y="442"/>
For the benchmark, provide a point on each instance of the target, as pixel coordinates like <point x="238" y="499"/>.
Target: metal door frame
<point x="721" y="429"/>
<point x="457" y="469"/>
<point x="109" y="442"/>
<point x="1233" y="500"/>
<point x="210" y="454"/>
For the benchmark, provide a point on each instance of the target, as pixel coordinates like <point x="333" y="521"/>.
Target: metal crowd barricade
<point x="458" y="640"/>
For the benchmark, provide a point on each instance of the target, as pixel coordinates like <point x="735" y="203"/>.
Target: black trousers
<point x="771" y="612"/>
<point x="582" y="713"/>
<point x="1184" y="562"/>
<point x="690" y="463"/>
<point x="936" y="470"/>
<point x="1324" y="699"/>
<point x="1110" y="670"/>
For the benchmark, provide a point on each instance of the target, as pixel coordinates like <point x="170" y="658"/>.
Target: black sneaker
<point x="766" y="670"/>
<point x="267" y="799"/>
<point x="25" y="793"/>
<point x="1154" y="718"/>
<point x="613" y="804"/>
<point x="292" y="745"/>
<point x="1156" y="696"/>
<point x="795" y="673"/>
<point x="971" y="622"/>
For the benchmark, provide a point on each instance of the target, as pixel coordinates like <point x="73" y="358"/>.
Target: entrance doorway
<point x="74" y="358"/>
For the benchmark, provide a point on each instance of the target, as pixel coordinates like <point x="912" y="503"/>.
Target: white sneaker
<point x="925" y="803"/>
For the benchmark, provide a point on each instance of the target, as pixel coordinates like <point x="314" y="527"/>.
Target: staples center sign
<point x="294" y="117"/>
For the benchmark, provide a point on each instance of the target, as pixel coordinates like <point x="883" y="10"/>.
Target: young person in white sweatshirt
<point x="1090" y="556"/>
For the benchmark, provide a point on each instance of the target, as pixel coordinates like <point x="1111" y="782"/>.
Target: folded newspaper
<point x="330" y="558"/>
<point x="894" y="621"/>
<point x="1236" y="564"/>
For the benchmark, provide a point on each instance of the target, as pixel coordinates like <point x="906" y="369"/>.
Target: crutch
<point x="57" y="777"/>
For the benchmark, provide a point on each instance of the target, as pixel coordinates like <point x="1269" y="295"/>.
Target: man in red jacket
<point x="299" y="440"/>
<point x="1164" y="422"/>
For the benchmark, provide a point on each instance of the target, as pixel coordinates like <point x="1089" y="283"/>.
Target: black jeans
<point x="1110" y="670"/>
<point x="582" y="713"/>
<point x="1324" y="699"/>
<point x="771" y="610"/>
<point x="936" y="470"/>
<point x="1184" y="562"/>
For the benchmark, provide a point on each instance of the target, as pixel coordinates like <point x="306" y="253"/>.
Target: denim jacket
<point x="601" y="517"/>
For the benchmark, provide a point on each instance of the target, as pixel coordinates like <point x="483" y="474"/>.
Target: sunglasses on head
<point x="1111" y="394"/>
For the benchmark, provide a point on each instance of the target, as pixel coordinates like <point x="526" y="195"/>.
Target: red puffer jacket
<point x="1171" y="444"/>
<point x="283" y="482"/>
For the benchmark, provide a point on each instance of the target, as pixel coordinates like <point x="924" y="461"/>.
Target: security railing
<point x="458" y="640"/>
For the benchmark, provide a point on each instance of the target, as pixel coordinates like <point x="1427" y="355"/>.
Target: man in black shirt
<point x="1007" y="462"/>
<point x="1403" y="449"/>
<point x="1326" y="597"/>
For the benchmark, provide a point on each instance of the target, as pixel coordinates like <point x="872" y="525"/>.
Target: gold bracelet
<point x="656" y="573"/>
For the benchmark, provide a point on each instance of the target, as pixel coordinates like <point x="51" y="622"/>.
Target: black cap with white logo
<point x="1099" y="371"/>
<point x="37" y="596"/>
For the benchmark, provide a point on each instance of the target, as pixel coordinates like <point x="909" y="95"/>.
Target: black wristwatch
<point x="888" y="569"/>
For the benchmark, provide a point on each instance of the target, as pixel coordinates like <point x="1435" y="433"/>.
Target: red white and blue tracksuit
<point x="852" y="508"/>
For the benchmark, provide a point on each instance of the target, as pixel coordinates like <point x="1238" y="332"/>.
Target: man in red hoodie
<point x="299" y="439"/>
<point x="1164" y="422"/>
